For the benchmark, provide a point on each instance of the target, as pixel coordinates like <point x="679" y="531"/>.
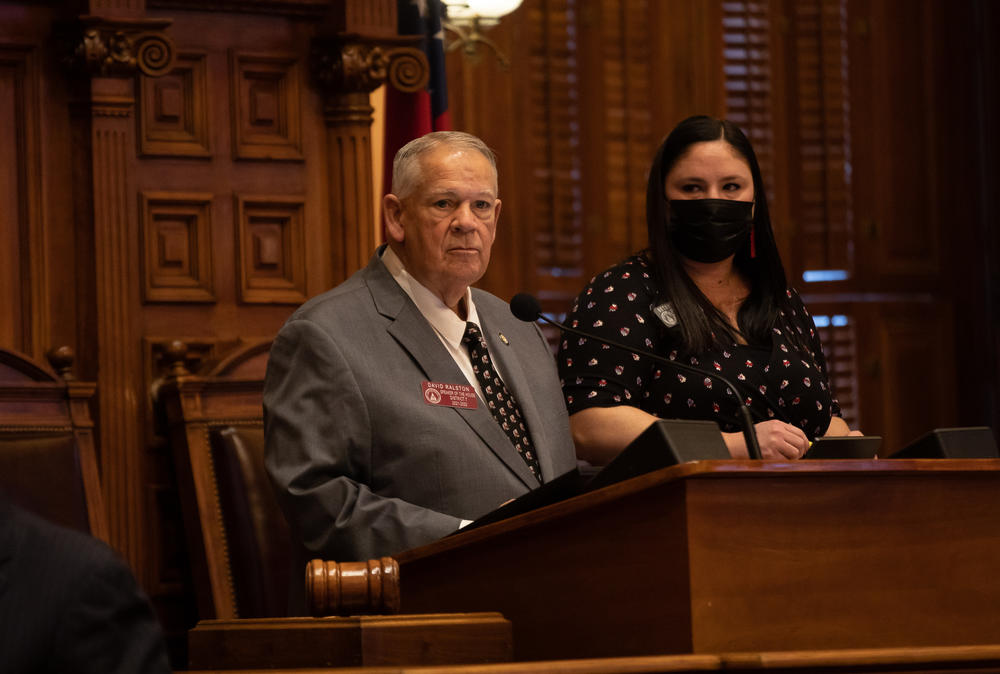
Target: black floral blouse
<point x="780" y="382"/>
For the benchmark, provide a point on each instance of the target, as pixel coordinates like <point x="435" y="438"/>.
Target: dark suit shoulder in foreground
<point x="69" y="604"/>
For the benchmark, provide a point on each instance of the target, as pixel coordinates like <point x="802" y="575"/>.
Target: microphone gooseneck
<point x="526" y="308"/>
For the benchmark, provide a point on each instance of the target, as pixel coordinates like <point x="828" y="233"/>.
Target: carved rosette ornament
<point x="349" y="66"/>
<point x="109" y="48"/>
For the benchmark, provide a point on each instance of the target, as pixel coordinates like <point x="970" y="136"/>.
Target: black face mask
<point x="709" y="230"/>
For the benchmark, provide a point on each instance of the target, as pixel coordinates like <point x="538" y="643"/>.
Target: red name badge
<point x="449" y="395"/>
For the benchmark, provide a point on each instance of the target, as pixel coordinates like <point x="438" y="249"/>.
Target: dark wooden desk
<point x="730" y="556"/>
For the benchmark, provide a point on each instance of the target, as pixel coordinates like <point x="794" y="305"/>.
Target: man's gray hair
<point x="406" y="172"/>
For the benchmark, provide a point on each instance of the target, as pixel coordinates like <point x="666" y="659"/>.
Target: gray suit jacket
<point x="363" y="466"/>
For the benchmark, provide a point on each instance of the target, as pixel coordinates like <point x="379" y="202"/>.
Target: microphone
<point x="526" y="308"/>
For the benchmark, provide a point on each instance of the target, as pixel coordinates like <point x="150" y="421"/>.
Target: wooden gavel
<point x="352" y="588"/>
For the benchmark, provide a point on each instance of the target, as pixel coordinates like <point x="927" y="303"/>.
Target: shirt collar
<point x="444" y="321"/>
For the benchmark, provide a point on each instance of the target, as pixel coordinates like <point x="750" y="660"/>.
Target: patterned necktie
<point x="502" y="405"/>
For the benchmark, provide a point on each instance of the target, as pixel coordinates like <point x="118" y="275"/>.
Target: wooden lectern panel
<point x="736" y="556"/>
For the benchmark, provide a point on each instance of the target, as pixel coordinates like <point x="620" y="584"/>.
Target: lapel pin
<point x="503" y="338"/>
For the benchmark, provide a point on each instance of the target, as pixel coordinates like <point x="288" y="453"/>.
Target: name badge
<point x="450" y="395"/>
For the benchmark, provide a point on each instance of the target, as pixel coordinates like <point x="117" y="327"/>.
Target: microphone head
<point x="525" y="307"/>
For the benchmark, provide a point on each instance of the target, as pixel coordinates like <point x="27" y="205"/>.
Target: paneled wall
<point x="179" y="170"/>
<point x="873" y="123"/>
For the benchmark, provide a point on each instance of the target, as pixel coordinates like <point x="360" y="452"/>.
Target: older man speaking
<point x="402" y="404"/>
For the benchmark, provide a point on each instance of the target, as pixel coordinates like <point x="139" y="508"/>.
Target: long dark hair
<point x="702" y="325"/>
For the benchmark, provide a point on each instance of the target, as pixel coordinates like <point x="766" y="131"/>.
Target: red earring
<point x="753" y="243"/>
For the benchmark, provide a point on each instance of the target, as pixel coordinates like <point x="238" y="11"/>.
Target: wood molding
<point x="270" y="232"/>
<point x="176" y="247"/>
<point x="266" y="112"/>
<point x="173" y="110"/>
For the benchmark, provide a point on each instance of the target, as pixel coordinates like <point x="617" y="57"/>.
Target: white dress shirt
<point x="449" y="328"/>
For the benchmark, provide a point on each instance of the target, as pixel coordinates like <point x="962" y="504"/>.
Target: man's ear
<point x="496" y="213"/>
<point x="392" y="212"/>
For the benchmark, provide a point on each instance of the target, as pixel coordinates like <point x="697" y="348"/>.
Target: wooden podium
<point x="727" y="556"/>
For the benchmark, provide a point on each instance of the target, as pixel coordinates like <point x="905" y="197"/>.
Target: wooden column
<point x="109" y="52"/>
<point x="348" y="118"/>
<point x="347" y="67"/>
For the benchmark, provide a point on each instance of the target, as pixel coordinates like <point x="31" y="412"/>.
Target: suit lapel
<point x="417" y="337"/>
<point x="519" y="383"/>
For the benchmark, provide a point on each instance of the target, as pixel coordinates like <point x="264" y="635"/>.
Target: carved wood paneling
<point x="266" y="113"/>
<point x="176" y="247"/>
<point x="119" y="44"/>
<point x="173" y="110"/>
<point x="24" y="322"/>
<point x="894" y="56"/>
<point x="915" y="385"/>
<point x="271" y="249"/>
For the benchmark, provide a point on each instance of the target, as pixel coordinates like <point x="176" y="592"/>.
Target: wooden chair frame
<point x="229" y="393"/>
<point x="35" y="399"/>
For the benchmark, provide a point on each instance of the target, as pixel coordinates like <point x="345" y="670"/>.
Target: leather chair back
<point x="239" y="545"/>
<point x="257" y="536"/>
<point x="40" y="472"/>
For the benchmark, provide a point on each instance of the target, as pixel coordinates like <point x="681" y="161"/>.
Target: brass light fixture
<point x="469" y="18"/>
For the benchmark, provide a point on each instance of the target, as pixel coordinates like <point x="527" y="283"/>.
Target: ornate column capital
<point x="108" y="47"/>
<point x="353" y="64"/>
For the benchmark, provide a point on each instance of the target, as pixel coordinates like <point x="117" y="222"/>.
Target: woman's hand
<point x="777" y="440"/>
